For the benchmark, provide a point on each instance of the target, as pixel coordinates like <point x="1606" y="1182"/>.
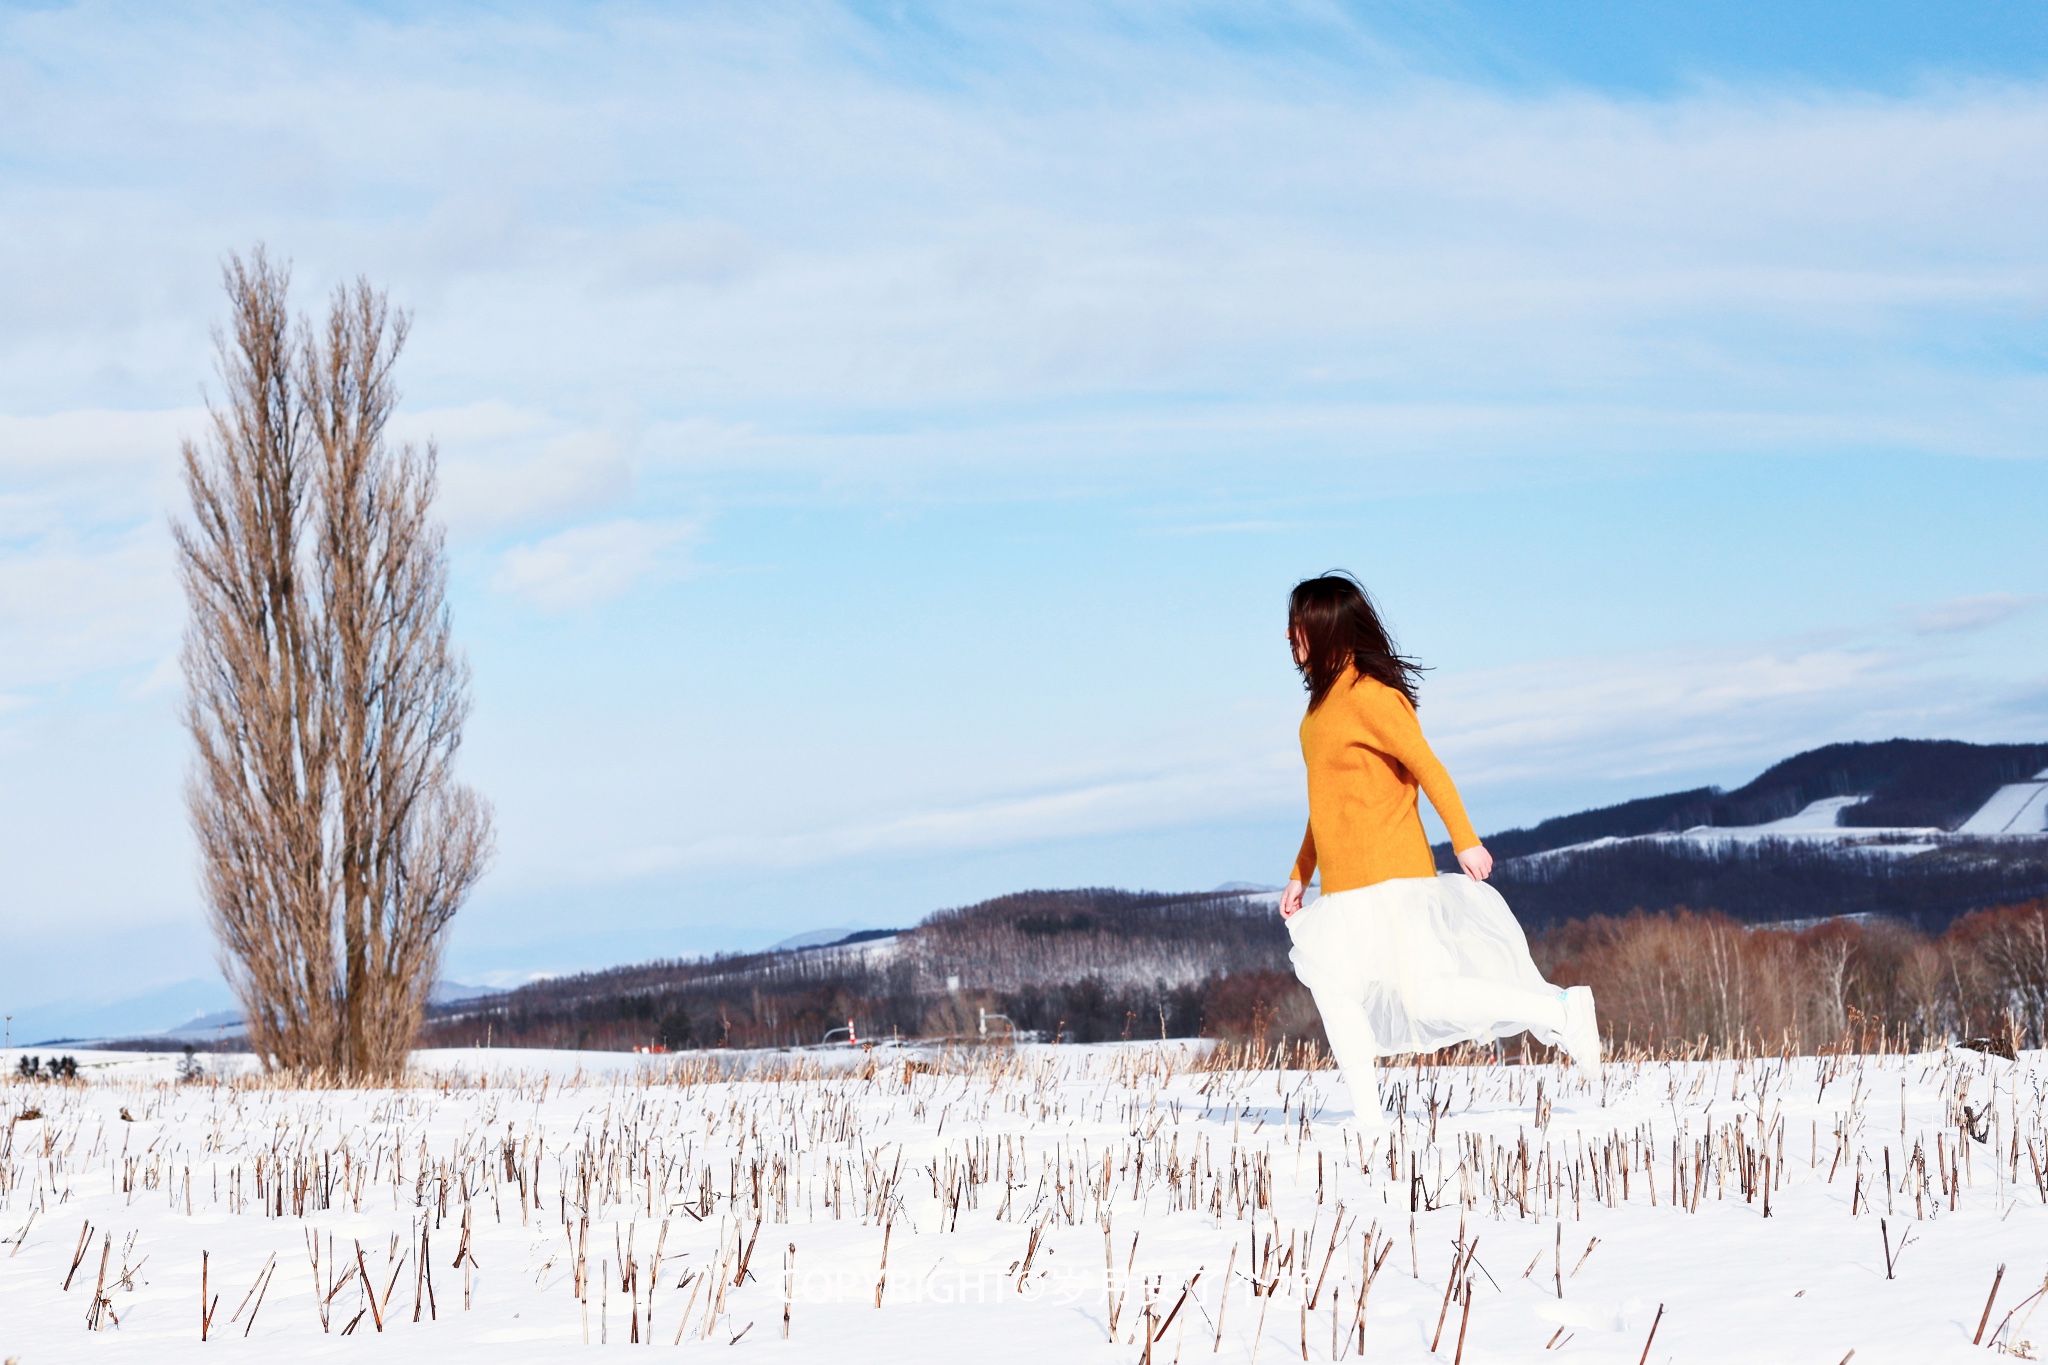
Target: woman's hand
<point x="1290" y="900"/>
<point x="1477" y="862"/>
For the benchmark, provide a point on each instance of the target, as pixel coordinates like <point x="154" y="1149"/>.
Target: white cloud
<point x="72" y="605"/>
<point x="503" y="466"/>
<point x="71" y="447"/>
<point x="586" y="565"/>
<point x="702" y="253"/>
<point x="1641" y="716"/>
<point x="1089" y="806"/>
<point x="1960" y="614"/>
<point x="745" y="217"/>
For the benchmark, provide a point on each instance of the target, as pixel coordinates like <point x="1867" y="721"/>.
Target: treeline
<point x="1670" y="980"/>
<point x="729" y="1000"/>
<point x="1679" y="978"/>
<point x="1119" y="938"/>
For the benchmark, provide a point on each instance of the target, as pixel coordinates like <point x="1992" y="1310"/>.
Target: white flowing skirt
<point x="1425" y="962"/>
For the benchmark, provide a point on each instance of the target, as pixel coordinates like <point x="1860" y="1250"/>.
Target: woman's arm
<point x="1297" y="879"/>
<point x="1391" y="727"/>
<point x="1305" y="861"/>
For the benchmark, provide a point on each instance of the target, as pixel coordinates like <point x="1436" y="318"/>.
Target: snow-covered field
<point x="1047" y="1204"/>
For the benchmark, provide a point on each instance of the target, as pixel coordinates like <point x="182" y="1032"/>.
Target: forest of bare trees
<point x="1679" y="979"/>
<point x="1078" y="965"/>
<point x="325" y="697"/>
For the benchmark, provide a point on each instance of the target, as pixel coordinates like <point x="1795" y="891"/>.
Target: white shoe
<point x="1366" y="1127"/>
<point x="1581" y="1030"/>
<point x="1369" y="1116"/>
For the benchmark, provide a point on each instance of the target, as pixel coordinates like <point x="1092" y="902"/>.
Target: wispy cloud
<point x="1642" y="716"/>
<point x="1630" y="723"/>
<point x="1960" y="614"/>
<point x="1092" y="807"/>
<point x="503" y="466"/>
<point x="990" y="226"/>
<point x="587" y="565"/>
<point x="66" y="448"/>
<point x="73" y="605"/>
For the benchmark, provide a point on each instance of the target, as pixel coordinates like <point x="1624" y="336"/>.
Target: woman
<point x="1399" y="958"/>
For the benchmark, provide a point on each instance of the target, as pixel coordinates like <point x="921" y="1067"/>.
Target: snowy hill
<point x="1917" y="830"/>
<point x="1082" y="964"/>
<point x="1846" y="792"/>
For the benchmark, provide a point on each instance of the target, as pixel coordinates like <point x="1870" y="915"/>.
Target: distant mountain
<point x="455" y="992"/>
<point x="1917" y="830"/>
<point x="1925" y="783"/>
<point x="137" y="1023"/>
<point x="145" y="1012"/>
<point x="1082" y="964"/>
<point x="828" y="938"/>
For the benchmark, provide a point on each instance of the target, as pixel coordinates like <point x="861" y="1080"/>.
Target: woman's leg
<point x="1356" y="1051"/>
<point x="1500" y="1007"/>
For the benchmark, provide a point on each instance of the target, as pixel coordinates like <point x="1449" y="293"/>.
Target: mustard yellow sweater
<point x="1366" y="756"/>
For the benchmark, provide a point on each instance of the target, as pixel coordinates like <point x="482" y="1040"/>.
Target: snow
<point x="2018" y="808"/>
<point x="1818" y="817"/>
<point x="1813" y="823"/>
<point x="990" y="1177"/>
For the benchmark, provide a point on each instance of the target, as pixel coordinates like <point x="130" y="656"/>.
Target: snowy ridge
<point x="2016" y="810"/>
<point x="867" y="951"/>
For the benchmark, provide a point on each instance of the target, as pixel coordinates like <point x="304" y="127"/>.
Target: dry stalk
<point x="1224" y="1305"/>
<point x="78" y="1255"/>
<point x="882" y="1276"/>
<point x="1645" y="1357"/>
<point x="206" y="1308"/>
<point x="369" y="1292"/>
<point x="1989" y="1299"/>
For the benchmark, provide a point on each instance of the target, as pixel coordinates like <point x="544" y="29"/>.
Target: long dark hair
<point x="1335" y="615"/>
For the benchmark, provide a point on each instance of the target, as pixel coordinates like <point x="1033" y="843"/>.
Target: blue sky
<point x="877" y="440"/>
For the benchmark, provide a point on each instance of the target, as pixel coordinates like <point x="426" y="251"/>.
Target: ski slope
<point x="2018" y="808"/>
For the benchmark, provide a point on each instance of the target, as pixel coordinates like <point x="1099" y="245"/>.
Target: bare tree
<point x="2012" y="956"/>
<point x="324" y="693"/>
